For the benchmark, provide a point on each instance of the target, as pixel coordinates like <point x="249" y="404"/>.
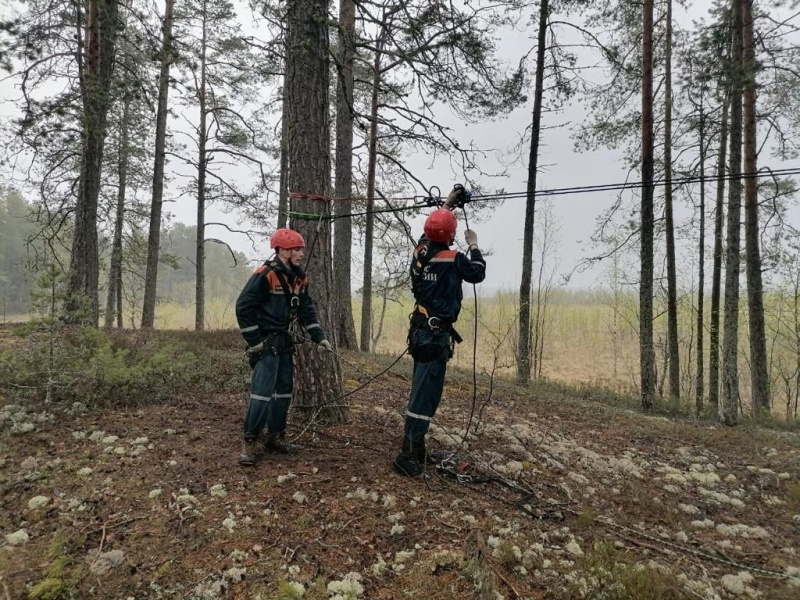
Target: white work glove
<point x="455" y="195"/>
<point x="255" y="349"/>
<point x="324" y="346"/>
<point x="471" y="237"/>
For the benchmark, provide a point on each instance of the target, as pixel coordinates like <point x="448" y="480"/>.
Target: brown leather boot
<point x="276" y="442"/>
<point x="249" y="453"/>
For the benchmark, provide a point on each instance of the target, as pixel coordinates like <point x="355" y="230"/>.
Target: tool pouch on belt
<point x="426" y="344"/>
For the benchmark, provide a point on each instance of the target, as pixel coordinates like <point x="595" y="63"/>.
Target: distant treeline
<point x="25" y="252"/>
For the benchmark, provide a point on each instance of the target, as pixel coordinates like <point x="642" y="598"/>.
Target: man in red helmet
<point x="437" y="273"/>
<point x="271" y="310"/>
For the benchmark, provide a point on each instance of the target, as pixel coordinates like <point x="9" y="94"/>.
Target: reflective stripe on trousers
<point x="427" y="384"/>
<point x="271" y="394"/>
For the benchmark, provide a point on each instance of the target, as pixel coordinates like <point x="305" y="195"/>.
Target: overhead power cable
<point x="430" y="201"/>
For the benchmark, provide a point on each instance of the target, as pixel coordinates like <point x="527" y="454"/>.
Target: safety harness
<point x="296" y="332"/>
<point x="422" y="316"/>
<point x="276" y="341"/>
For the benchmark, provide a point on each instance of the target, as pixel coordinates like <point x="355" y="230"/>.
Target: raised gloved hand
<point x="453" y="198"/>
<point x="471" y="237"/>
<point x="324" y="346"/>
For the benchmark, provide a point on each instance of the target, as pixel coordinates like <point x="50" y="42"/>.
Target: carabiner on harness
<point x="296" y="332"/>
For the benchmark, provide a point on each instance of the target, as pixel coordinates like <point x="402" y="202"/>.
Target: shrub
<point x="68" y="364"/>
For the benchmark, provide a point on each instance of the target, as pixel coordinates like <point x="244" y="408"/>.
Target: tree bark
<point x="524" y="348"/>
<point x="759" y="367"/>
<point x="716" y="275"/>
<point x="202" y="160"/>
<point x="154" y="235"/>
<point x="730" y="354"/>
<point x="344" y="325"/>
<point x="701" y="276"/>
<point x="283" y="191"/>
<point x="82" y="303"/>
<point x="669" y="224"/>
<point x="318" y="390"/>
<point x="366" y="290"/>
<point x="114" y="297"/>
<point x="647" y="356"/>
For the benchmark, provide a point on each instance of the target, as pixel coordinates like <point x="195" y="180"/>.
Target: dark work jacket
<point x="436" y="276"/>
<point x="262" y="307"/>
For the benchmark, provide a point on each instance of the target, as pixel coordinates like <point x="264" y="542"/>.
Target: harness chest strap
<point x="293" y="302"/>
<point x="292" y="299"/>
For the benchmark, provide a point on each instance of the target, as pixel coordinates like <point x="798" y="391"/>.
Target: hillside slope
<point x="555" y="496"/>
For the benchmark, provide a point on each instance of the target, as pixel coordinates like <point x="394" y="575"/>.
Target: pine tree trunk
<point x="669" y="225"/>
<point x="115" y="269"/>
<point x="759" y="367"/>
<point x="318" y="385"/>
<point x="730" y="341"/>
<point x="82" y="303"/>
<point x="701" y="276"/>
<point x="283" y="184"/>
<point x="716" y="275"/>
<point x="344" y="325"/>
<point x="647" y="357"/>
<point x="366" y="290"/>
<point x="154" y="235"/>
<point x="200" y="248"/>
<point x="524" y="347"/>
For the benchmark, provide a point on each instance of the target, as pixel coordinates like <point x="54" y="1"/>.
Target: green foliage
<point x="793" y="491"/>
<point x="49" y="589"/>
<point x="62" y="573"/>
<point x="225" y="273"/>
<point x="605" y="574"/>
<point x="286" y="591"/>
<point x="16" y="229"/>
<point x="71" y="364"/>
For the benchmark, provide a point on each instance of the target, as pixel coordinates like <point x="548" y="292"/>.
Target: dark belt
<point x="420" y="318"/>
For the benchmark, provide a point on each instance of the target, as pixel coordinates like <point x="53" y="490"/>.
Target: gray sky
<point x="502" y="230"/>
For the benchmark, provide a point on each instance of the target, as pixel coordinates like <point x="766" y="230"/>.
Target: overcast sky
<point x="501" y="233"/>
<point x="560" y="166"/>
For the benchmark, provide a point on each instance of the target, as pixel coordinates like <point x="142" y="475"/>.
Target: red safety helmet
<point x="440" y="226"/>
<point x="286" y="238"/>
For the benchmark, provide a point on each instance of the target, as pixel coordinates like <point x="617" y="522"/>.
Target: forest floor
<point x="555" y="495"/>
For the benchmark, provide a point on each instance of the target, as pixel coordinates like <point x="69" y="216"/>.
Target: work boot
<point x="423" y="456"/>
<point x="276" y="442"/>
<point x="407" y="462"/>
<point x="249" y="453"/>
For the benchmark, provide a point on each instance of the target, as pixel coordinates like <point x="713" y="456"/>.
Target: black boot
<point x="276" y="442"/>
<point x="423" y="456"/>
<point x="407" y="462"/>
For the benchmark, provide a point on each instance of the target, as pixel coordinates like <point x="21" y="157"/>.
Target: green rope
<point x="308" y="215"/>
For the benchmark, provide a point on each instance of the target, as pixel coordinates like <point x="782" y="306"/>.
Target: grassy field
<point x="590" y="339"/>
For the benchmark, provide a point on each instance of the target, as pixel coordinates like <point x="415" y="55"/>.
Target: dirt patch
<point x="553" y="497"/>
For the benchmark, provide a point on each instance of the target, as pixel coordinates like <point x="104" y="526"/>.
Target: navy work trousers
<point x="430" y="350"/>
<point x="270" y="395"/>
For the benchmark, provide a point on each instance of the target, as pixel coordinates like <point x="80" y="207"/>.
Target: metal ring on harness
<point x="294" y="302"/>
<point x="434" y="323"/>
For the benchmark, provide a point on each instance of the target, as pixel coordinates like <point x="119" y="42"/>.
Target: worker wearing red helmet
<point x="437" y="273"/>
<point x="271" y="309"/>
